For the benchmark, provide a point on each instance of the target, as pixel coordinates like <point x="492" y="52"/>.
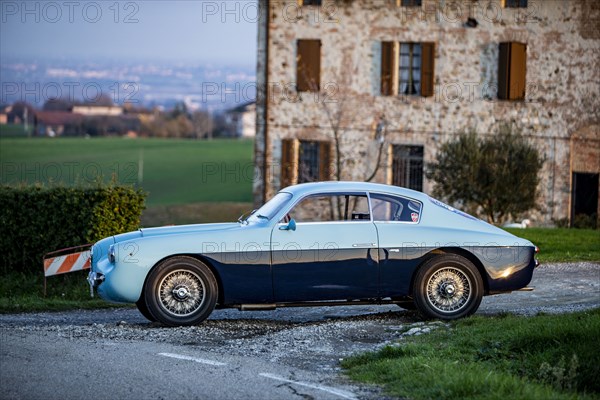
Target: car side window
<point x="393" y="208"/>
<point x="329" y="208"/>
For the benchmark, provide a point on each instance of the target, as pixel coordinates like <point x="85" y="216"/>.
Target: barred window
<point x="304" y="161"/>
<point x="407" y="166"/>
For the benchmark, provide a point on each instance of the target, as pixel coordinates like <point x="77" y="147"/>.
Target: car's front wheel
<point x="181" y="291"/>
<point x="143" y="309"/>
<point x="447" y="287"/>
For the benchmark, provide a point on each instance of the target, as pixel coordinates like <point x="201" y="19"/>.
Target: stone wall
<point x="562" y="95"/>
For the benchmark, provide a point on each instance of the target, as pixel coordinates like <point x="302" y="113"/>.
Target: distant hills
<point x="144" y="83"/>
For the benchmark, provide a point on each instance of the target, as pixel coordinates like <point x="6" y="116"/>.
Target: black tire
<point x="405" y="302"/>
<point x="407" y="305"/>
<point x="181" y="291"/>
<point x="143" y="309"/>
<point x="447" y="287"/>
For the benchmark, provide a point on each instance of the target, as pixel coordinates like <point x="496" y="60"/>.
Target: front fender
<point x="134" y="259"/>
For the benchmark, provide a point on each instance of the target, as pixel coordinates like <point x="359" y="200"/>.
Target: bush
<point x="497" y="174"/>
<point x="35" y="220"/>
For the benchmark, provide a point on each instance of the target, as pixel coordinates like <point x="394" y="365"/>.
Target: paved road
<point x="283" y="354"/>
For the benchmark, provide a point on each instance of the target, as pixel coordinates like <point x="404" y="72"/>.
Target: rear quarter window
<point x="392" y="208"/>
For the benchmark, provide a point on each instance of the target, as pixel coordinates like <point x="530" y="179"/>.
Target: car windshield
<point x="271" y="207"/>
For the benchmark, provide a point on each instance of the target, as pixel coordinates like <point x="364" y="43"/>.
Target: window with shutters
<point x="308" y="65"/>
<point x="304" y="161"/>
<point x="410" y="3"/>
<point x="512" y="70"/>
<point x="407" y="166"/>
<point x="407" y="68"/>
<point x="410" y="68"/>
<point x="514" y="3"/>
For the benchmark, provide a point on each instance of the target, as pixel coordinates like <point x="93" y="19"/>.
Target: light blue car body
<point x="243" y="255"/>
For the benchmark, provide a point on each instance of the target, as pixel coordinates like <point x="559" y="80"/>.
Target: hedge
<point x="35" y="220"/>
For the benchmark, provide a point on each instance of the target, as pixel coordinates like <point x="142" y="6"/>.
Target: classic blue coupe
<point x="315" y="244"/>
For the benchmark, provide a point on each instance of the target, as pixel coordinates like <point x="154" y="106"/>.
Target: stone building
<point x="351" y="89"/>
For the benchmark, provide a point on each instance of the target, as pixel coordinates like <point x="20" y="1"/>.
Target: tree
<point x="203" y="124"/>
<point x="341" y="108"/>
<point x="341" y="112"/>
<point x="497" y="175"/>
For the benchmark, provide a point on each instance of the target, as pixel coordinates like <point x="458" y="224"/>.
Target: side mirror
<point x="291" y="226"/>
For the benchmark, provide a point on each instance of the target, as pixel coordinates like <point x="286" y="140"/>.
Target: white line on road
<point x="188" y="358"/>
<point x="338" y="392"/>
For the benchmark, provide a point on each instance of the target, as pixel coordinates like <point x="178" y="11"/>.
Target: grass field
<point x="504" y="357"/>
<point x="171" y="171"/>
<point x="562" y="244"/>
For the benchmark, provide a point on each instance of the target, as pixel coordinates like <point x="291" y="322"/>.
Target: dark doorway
<point x="584" y="198"/>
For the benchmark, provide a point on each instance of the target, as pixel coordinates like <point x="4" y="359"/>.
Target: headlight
<point x="112" y="253"/>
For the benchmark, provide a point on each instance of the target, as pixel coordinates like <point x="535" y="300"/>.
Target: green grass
<point x="501" y="357"/>
<point x="25" y="293"/>
<point x="174" y="171"/>
<point x="562" y="244"/>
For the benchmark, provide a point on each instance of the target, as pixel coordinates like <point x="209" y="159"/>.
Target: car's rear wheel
<point x="447" y="287"/>
<point x="406" y="303"/>
<point x="181" y="291"/>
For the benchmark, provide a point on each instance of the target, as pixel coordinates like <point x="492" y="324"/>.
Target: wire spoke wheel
<point x="447" y="286"/>
<point x="448" y="290"/>
<point x="181" y="293"/>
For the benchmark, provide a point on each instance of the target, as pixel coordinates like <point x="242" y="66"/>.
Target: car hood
<point x="180" y="229"/>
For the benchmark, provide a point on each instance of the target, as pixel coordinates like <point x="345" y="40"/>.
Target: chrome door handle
<point x="364" y="245"/>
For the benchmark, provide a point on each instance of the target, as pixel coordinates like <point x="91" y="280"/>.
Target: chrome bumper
<point x="94" y="279"/>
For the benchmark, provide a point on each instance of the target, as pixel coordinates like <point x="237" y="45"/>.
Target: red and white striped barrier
<point x="61" y="264"/>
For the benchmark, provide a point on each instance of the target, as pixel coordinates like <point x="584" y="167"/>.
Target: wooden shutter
<point x="518" y="71"/>
<point x="427" y="69"/>
<point x="324" y="161"/>
<point x="289" y="162"/>
<point x="308" y="65"/>
<point x="512" y="70"/>
<point x="387" y="68"/>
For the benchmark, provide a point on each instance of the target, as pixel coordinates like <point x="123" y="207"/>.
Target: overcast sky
<point x="178" y="31"/>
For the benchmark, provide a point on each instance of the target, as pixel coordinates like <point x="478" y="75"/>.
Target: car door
<point x="331" y="254"/>
<point x="395" y="219"/>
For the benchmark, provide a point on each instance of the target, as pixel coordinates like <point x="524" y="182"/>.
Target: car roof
<point x="347" y="186"/>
